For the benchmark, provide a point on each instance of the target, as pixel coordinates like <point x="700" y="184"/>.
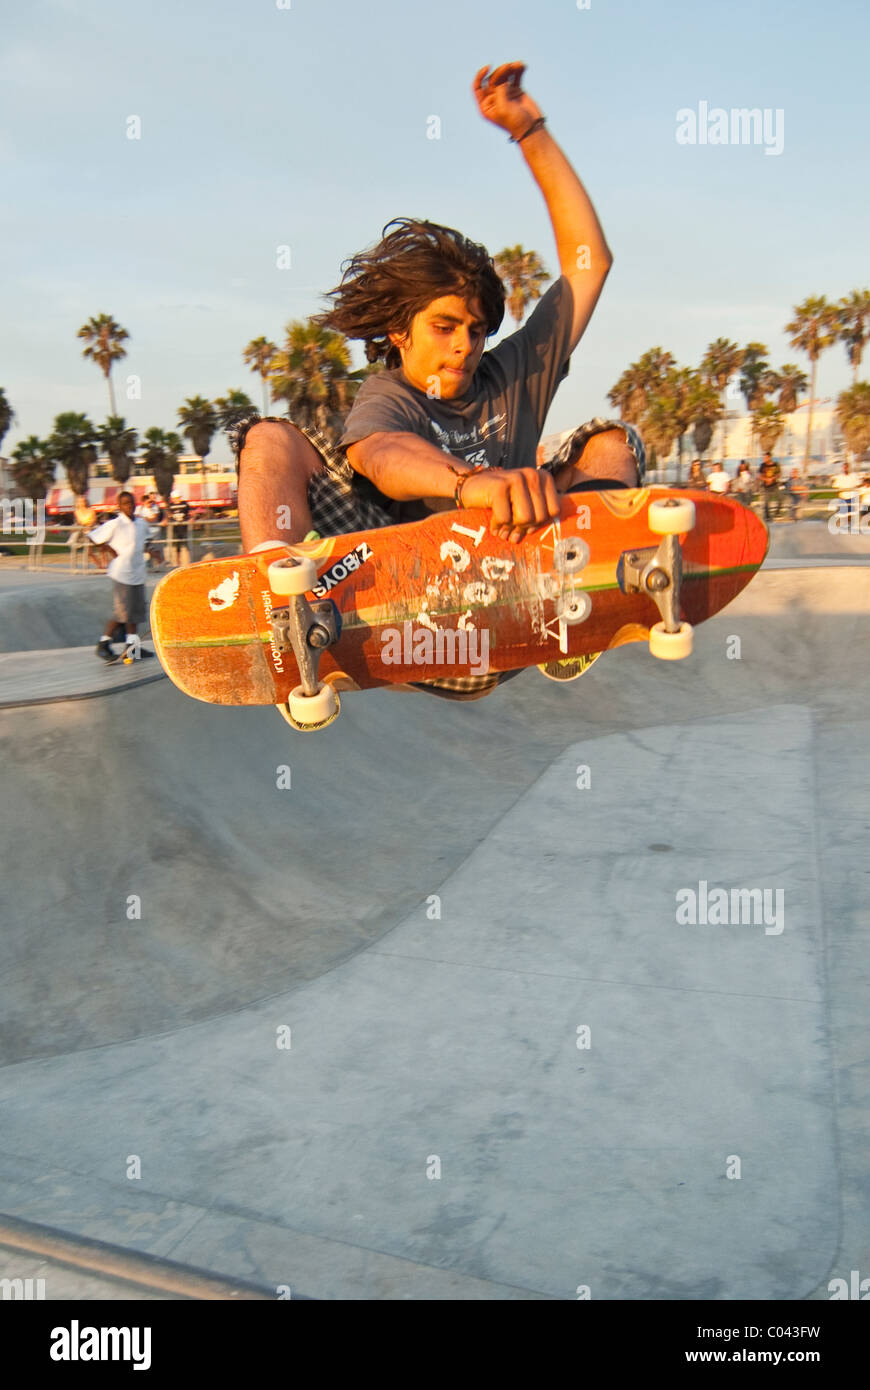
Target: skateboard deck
<point x="445" y="597"/>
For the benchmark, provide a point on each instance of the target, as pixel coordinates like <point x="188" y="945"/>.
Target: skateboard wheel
<point x="671" y="646"/>
<point x="312" y="711"/>
<point x="570" y="555"/>
<point x="573" y="607"/>
<point x="671" y="517"/>
<point x="295" y="575"/>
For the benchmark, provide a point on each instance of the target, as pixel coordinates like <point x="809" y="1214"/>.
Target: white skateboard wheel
<point x="312" y="711"/>
<point x="671" y="516"/>
<point x="573" y="607"/>
<point x="570" y="555"/>
<point x="295" y="575"/>
<point x="671" y="646"/>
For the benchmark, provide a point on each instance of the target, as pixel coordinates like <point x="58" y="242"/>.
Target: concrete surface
<point x="32" y="678"/>
<point x="427" y="914"/>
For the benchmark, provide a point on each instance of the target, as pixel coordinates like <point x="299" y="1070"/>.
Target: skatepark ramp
<point x="404" y="1008"/>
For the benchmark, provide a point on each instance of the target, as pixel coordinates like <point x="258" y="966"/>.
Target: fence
<point x="172" y="544"/>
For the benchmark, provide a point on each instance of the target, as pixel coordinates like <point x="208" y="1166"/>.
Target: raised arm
<point x="584" y="256"/>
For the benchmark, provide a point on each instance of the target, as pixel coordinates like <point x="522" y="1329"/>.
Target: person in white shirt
<point x="848" y="482"/>
<point x="718" y="480"/>
<point x="850" y="486"/>
<point x="124" y="539"/>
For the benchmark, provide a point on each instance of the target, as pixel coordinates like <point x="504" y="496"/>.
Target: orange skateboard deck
<point x="445" y="597"/>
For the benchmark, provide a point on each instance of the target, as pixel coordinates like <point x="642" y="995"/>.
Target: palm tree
<point x="72" y="443"/>
<point x="754" y="374"/>
<point x="702" y="433"/>
<point x="706" y="405"/>
<point x="813" y="329"/>
<point x="259" y="356"/>
<point x="853" y="324"/>
<point x="32" y="467"/>
<point x="311" y="375"/>
<point x="626" y="398"/>
<point x="768" y="423"/>
<point x="638" y="385"/>
<point x="683" y="386"/>
<point x="120" y="442"/>
<point x="853" y="415"/>
<point x="104" y="337"/>
<point x="719" y="363"/>
<point x="672" y="408"/>
<point x="524" y="275"/>
<point x="660" y="427"/>
<point x="790" y="382"/>
<point x="7" y="415"/>
<point x="232" y="408"/>
<point x="199" y="422"/>
<point x="159" y="458"/>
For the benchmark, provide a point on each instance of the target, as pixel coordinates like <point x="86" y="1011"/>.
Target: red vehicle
<point x="211" y="498"/>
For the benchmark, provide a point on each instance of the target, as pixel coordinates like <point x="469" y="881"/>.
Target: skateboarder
<point x="447" y="423"/>
<point x="124" y="538"/>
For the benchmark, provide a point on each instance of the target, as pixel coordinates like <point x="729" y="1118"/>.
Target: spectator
<point x="696" y="476"/>
<point x="151" y="512"/>
<point x="718" y="480"/>
<point x="86" y="516"/>
<point x="849" y="485"/>
<point x="179" y="509"/>
<point x="770" y="474"/>
<point x="796" y="491"/>
<point x="743" y="485"/>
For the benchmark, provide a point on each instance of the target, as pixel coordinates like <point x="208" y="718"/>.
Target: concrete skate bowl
<point x="156" y="804"/>
<point x="61" y="613"/>
<point x="168" y="904"/>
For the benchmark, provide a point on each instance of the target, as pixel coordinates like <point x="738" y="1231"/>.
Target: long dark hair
<point x="383" y="288"/>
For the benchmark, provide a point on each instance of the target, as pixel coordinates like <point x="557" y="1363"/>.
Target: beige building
<point x="826" y="445"/>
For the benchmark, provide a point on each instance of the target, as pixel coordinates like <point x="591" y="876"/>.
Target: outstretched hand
<point x="501" y="99"/>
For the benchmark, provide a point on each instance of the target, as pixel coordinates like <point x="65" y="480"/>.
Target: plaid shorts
<point x="337" y="507"/>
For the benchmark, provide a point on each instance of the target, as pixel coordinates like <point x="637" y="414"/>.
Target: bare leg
<point x="605" y="455"/>
<point x="275" y="467"/>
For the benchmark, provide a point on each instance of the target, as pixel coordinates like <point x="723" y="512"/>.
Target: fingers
<point x="527" y="499"/>
<point x="511" y="73"/>
<point x="507" y="72"/>
<point x="479" y="88"/>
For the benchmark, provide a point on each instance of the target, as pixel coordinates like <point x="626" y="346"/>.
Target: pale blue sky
<point x="307" y="126"/>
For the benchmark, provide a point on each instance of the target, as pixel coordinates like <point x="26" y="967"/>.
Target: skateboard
<point x="118" y="638"/>
<point x="294" y="625"/>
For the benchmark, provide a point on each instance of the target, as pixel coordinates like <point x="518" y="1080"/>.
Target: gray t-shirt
<point x="499" y="419"/>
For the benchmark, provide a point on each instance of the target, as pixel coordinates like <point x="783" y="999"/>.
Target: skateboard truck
<point x="658" y="572"/>
<point x="306" y="629"/>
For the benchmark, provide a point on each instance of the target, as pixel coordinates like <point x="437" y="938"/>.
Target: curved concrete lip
<point x="72" y="673"/>
<point x="405" y="1010"/>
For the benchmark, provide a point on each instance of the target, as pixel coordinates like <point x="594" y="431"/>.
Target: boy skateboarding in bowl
<point x="448" y="423"/>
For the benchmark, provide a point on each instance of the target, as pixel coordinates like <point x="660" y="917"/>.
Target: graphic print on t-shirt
<point x="483" y="443"/>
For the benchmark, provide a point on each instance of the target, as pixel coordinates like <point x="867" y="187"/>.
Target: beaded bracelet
<point x="463" y="475"/>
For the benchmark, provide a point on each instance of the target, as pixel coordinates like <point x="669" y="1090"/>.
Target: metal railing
<point x="176" y="544"/>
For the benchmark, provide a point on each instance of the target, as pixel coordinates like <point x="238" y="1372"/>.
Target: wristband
<point x="536" y="125"/>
